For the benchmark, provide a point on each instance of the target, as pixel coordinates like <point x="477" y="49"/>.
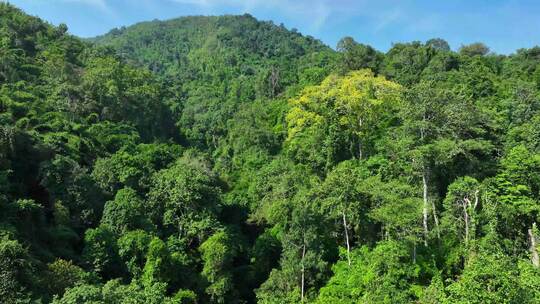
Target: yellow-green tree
<point x="341" y="118"/>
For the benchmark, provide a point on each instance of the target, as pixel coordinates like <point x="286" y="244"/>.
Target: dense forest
<point x="229" y="160"/>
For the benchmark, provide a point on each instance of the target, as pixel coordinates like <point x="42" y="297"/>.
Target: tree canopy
<point x="230" y="160"/>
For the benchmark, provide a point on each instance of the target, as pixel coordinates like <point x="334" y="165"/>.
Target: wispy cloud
<point x="96" y="4"/>
<point x="196" y="2"/>
<point x="99" y="4"/>
<point x="426" y="24"/>
<point x="386" y="19"/>
<point x="315" y="12"/>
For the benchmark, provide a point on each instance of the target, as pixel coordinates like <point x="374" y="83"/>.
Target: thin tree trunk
<point x="303" y="270"/>
<point x="347" y="238"/>
<point x="436" y="218"/>
<point x="425" y="207"/>
<point x="425" y="189"/>
<point x="359" y="149"/>
<point x="535" y="259"/>
<point x="360" y="154"/>
<point x="414" y="253"/>
<point x="466" y="204"/>
<point x="351" y="149"/>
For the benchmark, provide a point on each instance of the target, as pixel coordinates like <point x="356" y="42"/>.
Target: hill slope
<point x="215" y="64"/>
<point x="63" y="105"/>
<point x="166" y="46"/>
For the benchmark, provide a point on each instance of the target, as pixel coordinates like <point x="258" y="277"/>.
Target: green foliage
<point x="133" y="166"/>
<point x="127" y="212"/>
<point x="218" y="252"/>
<point x="157" y="268"/>
<point x="405" y="62"/>
<point x="64" y="275"/>
<point x="339" y="118"/>
<point x="228" y="160"/>
<point x="474" y="49"/>
<point x="70" y="183"/>
<point x="15" y="271"/>
<point x="217" y="63"/>
<point x="438" y="44"/>
<point x="303" y="262"/>
<point x="81" y="294"/>
<point x="358" y="56"/>
<point x="183" y="297"/>
<point x="184" y="199"/>
<point x="460" y="220"/>
<point x="488" y="278"/>
<point x="115" y="292"/>
<point x="385" y="274"/>
<point x="101" y="253"/>
<point x="133" y="249"/>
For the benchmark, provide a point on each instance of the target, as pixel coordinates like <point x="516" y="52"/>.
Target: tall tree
<point x="340" y="118"/>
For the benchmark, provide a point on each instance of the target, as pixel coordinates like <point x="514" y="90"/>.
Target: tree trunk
<point x="351" y="149"/>
<point x="475" y="199"/>
<point x="303" y="270"/>
<point x="466" y="204"/>
<point x="425" y="207"/>
<point x="414" y="253"/>
<point x="360" y="154"/>
<point x="274" y="80"/>
<point x="535" y="259"/>
<point x="473" y="215"/>
<point x="347" y="238"/>
<point x="360" y="149"/>
<point x="436" y="218"/>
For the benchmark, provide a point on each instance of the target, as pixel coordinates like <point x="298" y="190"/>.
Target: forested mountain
<point x="215" y="64"/>
<point x="228" y="160"/>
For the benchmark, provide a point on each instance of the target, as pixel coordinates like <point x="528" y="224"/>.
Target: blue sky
<point x="504" y="25"/>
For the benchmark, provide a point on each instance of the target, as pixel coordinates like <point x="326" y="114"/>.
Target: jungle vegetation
<point x="229" y="160"/>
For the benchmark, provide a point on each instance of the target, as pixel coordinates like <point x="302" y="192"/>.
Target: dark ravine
<point x="229" y="160"/>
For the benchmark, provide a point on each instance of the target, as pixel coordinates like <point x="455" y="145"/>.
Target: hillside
<point x="229" y="160"/>
<point x="216" y="64"/>
<point x="239" y="42"/>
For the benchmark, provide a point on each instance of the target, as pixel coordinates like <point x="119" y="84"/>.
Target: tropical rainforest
<point x="229" y="160"/>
